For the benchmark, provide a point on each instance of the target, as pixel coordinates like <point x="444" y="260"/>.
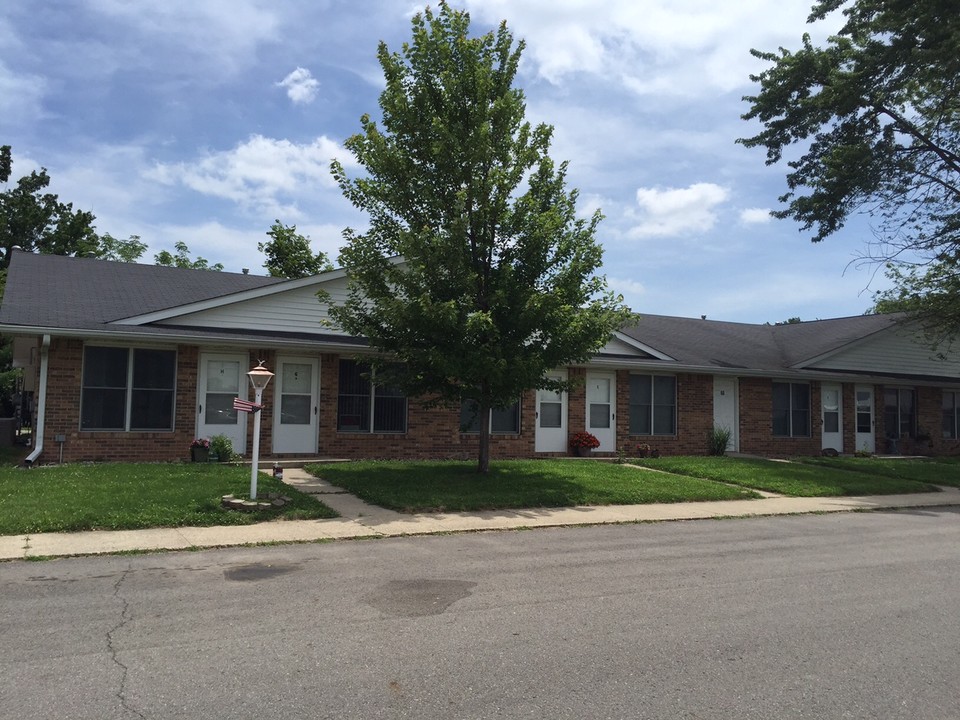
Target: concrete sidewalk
<point x="362" y="520"/>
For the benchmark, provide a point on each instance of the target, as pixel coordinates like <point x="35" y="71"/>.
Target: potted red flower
<point x="200" y="450"/>
<point x="583" y="442"/>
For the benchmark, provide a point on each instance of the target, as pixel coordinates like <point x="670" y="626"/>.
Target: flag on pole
<point x="246" y="406"/>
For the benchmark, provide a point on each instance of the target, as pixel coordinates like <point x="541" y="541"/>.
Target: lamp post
<point x="259" y="377"/>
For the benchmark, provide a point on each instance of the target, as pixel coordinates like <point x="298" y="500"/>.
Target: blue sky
<point x="205" y="121"/>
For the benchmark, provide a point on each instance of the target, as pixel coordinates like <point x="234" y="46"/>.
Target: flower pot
<point x="581" y="451"/>
<point x="199" y="454"/>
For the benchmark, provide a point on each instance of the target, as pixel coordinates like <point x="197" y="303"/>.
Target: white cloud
<point x="224" y="34"/>
<point x="755" y="216"/>
<point x="675" y="211"/>
<point x="675" y="47"/>
<point x="301" y="86"/>
<point x="265" y="175"/>
<point x="626" y="287"/>
<point x="22" y="95"/>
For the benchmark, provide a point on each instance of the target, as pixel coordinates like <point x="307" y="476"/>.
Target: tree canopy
<point x="37" y="221"/>
<point x="289" y="254"/>
<point x="874" y="117"/>
<point x="182" y="259"/>
<point x="499" y="280"/>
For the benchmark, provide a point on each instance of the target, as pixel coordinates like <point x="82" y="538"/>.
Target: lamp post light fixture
<point x="259" y="377"/>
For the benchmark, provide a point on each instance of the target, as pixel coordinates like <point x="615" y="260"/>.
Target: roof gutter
<point x="41" y="403"/>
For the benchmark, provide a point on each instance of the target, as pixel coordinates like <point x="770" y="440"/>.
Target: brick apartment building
<point x="131" y="362"/>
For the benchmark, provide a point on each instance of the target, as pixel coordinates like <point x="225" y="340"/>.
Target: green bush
<point x="222" y="447"/>
<point x="718" y="439"/>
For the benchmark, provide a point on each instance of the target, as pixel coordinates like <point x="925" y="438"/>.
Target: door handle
<point x="200" y="411"/>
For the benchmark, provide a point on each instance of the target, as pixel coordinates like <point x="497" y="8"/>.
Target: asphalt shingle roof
<point x="712" y="343"/>
<point x="51" y="291"/>
<point x="68" y="292"/>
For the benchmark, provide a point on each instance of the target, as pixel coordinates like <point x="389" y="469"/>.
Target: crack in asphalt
<point x="111" y="648"/>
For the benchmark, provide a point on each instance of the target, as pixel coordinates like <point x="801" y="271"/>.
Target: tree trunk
<point x="483" y="455"/>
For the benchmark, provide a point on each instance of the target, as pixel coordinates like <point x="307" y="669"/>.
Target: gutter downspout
<point x="41" y="403"/>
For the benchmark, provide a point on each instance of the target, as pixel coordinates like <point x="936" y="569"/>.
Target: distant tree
<point x="129" y="250"/>
<point x="499" y="282"/>
<point x="289" y="254"/>
<point x="790" y="321"/>
<point x="875" y="119"/>
<point x="182" y="259"/>
<point x="37" y="221"/>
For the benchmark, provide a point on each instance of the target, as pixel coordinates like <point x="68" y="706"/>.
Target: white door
<point x="295" y="405"/>
<point x="551" y="434"/>
<point x="725" y="409"/>
<point x="831" y="403"/>
<point x="865" y="423"/>
<point x="601" y="409"/>
<point x="222" y="378"/>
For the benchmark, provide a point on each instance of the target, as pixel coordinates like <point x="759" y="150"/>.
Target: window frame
<point x="791" y="410"/>
<point x="516" y="409"/>
<point x="950" y="433"/>
<point x="912" y="429"/>
<point x="653" y="405"/>
<point x="372" y="386"/>
<point x="130" y="391"/>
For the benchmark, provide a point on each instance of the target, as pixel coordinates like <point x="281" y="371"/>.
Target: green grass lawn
<point x="940" y="471"/>
<point x="455" y="486"/>
<point x="115" y="496"/>
<point x="796" y="479"/>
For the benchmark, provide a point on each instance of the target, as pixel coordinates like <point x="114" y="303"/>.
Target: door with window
<point x="602" y="409"/>
<point x="295" y="406"/>
<point x="831" y="416"/>
<point x="865" y="422"/>
<point x="725" y="408"/>
<point x="551" y="434"/>
<point x="223" y="377"/>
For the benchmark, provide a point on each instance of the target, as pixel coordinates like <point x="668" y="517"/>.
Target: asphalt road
<point x="830" y="616"/>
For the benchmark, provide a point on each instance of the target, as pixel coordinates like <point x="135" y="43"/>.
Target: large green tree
<point x="36" y="220"/>
<point x="289" y="254"/>
<point x="872" y="124"/>
<point x="499" y="280"/>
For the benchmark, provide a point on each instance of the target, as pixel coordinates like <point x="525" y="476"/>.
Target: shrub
<point x="718" y="439"/>
<point x="222" y="447"/>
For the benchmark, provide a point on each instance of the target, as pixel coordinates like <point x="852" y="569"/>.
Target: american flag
<point x="245" y="405"/>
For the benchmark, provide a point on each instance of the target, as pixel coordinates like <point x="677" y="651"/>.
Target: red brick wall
<point x="431" y="432"/>
<point x="694" y="417"/>
<point x="63" y="414"/>
<point x="435" y="432"/>
<point x="756" y="421"/>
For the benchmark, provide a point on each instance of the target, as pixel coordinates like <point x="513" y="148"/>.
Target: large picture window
<point x="791" y="409"/>
<point x="653" y="405"/>
<point x="364" y="406"/>
<point x="127" y="388"/>
<point x="899" y="413"/>
<point x="503" y="421"/>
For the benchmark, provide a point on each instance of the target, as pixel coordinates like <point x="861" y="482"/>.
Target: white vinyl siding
<point x="296" y="310"/>
<point x="895" y="351"/>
